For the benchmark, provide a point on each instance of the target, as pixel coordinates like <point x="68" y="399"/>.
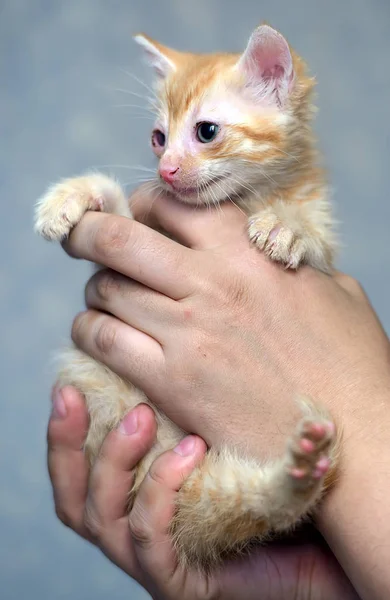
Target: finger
<point x="155" y="504"/>
<point x="133" y="303"/>
<point x="111" y="480"/>
<point x="113" y="472"/>
<point x="127" y="351"/>
<point x="68" y="467"/>
<point x="196" y="227"/>
<point x="136" y="251"/>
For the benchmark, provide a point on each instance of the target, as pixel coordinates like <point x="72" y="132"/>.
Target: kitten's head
<point x="227" y="123"/>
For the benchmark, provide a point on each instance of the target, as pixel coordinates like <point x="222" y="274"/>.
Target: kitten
<point x="232" y="127"/>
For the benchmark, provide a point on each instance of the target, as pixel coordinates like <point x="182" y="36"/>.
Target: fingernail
<point x="59" y="407"/>
<point x="129" y="425"/>
<point x="186" y="446"/>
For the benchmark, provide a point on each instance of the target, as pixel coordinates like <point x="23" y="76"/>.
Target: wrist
<point x="354" y="517"/>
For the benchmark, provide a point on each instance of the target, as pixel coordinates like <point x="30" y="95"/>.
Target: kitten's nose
<point x="168" y="173"/>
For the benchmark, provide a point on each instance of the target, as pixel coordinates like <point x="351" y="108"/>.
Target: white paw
<point x="62" y="208"/>
<point x="279" y="242"/>
<point x="289" y="241"/>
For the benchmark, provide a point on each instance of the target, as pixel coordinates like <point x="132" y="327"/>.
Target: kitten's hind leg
<point x="229" y="501"/>
<point x="63" y="205"/>
<point x="299" y="477"/>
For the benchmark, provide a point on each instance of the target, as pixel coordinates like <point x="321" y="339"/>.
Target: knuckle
<point x="78" y="326"/>
<point x="356" y="286"/>
<point x="351" y="284"/>
<point x="344" y="279"/>
<point x="105" y="337"/>
<point x="139" y="529"/>
<point x="112" y="236"/>
<point x="156" y="472"/>
<point x="106" y="284"/>
<point x="63" y="516"/>
<point x="92" y="523"/>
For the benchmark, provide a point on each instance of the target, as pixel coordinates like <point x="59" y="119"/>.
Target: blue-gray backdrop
<point x="61" y="66"/>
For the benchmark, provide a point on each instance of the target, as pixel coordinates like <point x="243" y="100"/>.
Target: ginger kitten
<point x="228" y="127"/>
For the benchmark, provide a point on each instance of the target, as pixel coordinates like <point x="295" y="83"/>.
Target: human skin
<point x="267" y="335"/>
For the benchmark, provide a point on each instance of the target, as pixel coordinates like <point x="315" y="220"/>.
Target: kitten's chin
<point x="193" y="197"/>
<point x="199" y="196"/>
<point x="208" y="193"/>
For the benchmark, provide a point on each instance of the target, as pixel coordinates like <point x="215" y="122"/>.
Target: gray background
<point x="60" y="63"/>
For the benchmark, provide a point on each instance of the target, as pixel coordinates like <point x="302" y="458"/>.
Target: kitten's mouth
<point x="199" y="189"/>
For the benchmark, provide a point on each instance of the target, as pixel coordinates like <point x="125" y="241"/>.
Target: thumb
<point x="198" y="227"/>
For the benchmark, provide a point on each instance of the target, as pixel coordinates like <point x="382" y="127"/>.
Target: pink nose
<point x="168" y="173"/>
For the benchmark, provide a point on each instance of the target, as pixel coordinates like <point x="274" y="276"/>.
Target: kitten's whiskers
<point x="134" y="106"/>
<point x="141" y="96"/>
<point x="230" y="199"/>
<point x="241" y="183"/>
<point x="138" y="167"/>
<point x="147" y="87"/>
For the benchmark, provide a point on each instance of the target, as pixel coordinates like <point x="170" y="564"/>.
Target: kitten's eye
<point x="206" y="132"/>
<point x="158" y="139"/>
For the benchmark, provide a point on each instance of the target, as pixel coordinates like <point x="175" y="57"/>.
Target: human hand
<point x="221" y="340"/>
<point x="221" y="337"/>
<point x="94" y="505"/>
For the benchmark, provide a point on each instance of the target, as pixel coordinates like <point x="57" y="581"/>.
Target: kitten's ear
<point x="157" y="55"/>
<point x="267" y="63"/>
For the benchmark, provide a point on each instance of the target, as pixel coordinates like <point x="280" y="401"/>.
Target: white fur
<point x="162" y="65"/>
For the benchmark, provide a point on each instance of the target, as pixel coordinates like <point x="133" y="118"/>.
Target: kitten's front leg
<point x="295" y="233"/>
<point x="62" y="207"/>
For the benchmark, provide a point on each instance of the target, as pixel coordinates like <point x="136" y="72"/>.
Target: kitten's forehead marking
<point x="215" y="100"/>
<point x="215" y="104"/>
<point x="221" y="106"/>
<point x="193" y="79"/>
<point x="195" y="94"/>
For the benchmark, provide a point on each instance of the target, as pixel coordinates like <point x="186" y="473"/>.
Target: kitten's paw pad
<point x="62" y="208"/>
<point x="309" y="451"/>
<point x="279" y="242"/>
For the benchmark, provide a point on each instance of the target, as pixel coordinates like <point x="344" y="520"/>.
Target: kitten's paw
<point x="61" y="209"/>
<point x="309" y="452"/>
<point x="63" y="206"/>
<point x="279" y="242"/>
<point x="286" y="236"/>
